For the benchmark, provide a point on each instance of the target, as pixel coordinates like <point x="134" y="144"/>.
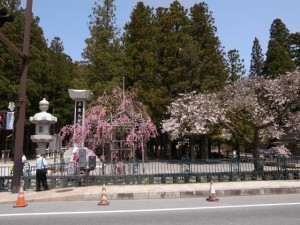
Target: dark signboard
<point x="79" y="112"/>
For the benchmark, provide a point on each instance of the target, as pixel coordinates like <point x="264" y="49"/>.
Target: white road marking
<point x="146" y="210"/>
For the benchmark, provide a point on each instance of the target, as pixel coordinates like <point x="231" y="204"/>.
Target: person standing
<point x="23" y="159"/>
<point x="75" y="159"/>
<point x="41" y="173"/>
<point x="75" y="156"/>
<point x="62" y="162"/>
<point x="23" y="163"/>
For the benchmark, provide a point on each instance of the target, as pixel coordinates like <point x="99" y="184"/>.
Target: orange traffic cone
<point x="212" y="194"/>
<point x="103" y="200"/>
<point x="21" y="199"/>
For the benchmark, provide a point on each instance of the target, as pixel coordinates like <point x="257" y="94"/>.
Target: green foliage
<point x="11" y="4"/>
<point x="59" y="77"/>
<point x="49" y="72"/>
<point x="10" y="62"/>
<point x="162" y="52"/>
<point x="235" y="66"/>
<point x="278" y="57"/>
<point x="295" y="48"/>
<point x="208" y="63"/>
<point x="169" y="52"/>
<point x="103" y="51"/>
<point x="257" y="59"/>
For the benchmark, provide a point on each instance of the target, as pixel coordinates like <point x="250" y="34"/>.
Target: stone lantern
<point x="43" y="122"/>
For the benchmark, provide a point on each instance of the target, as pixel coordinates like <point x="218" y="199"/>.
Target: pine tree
<point x="295" y="48"/>
<point x="103" y="50"/>
<point x="257" y="59"/>
<point x="60" y="75"/>
<point x="139" y="45"/>
<point x="171" y="53"/>
<point x="171" y="38"/>
<point x="12" y="5"/>
<point x="235" y="65"/>
<point x="46" y="78"/>
<point x="152" y="44"/>
<point x="39" y="68"/>
<point x="207" y="61"/>
<point x="9" y="61"/>
<point x="141" y="58"/>
<point x="278" y="56"/>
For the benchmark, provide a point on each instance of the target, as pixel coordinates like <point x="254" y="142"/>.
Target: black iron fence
<point x="160" y="171"/>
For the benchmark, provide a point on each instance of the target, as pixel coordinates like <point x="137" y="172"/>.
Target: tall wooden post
<point x="19" y="139"/>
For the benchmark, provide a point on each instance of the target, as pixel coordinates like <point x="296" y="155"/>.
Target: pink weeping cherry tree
<point x="107" y="112"/>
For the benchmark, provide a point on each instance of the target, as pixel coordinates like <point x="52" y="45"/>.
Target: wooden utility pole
<point x="19" y="139"/>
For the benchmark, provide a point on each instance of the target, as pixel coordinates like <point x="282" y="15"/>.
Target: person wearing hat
<point x="72" y="166"/>
<point x="75" y="156"/>
<point x="41" y="173"/>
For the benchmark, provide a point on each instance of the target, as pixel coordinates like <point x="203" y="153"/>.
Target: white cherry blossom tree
<point x="269" y="107"/>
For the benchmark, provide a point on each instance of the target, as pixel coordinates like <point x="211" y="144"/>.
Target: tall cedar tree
<point x="39" y="71"/>
<point x="278" y="56"/>
<point x="170" y="36"/>
<point x="171" y="25"/>
<point x="295" y="48"/>
<point x="60" y="74"/>
<point x="257" y="59"/>
<point x="103" y="50"/>
<point x="236" y="66"/>
<point x="10" y="62"/>
<point x="152" y="45"/>
<point x="81" y="75"/>
<point x="172" y="53"/>
<point x="207" y="61"/>
<point x="12" y="5"/>
<point x="140" y="50"/>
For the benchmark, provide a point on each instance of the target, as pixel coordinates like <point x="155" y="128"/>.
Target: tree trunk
<point x="192" y="149"/>
<point x="204" y="147"/>
<point x="258" y="166"/>
<point x="219" y="149"/>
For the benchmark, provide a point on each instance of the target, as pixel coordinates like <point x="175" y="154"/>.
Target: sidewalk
<point x="157" y="191"/>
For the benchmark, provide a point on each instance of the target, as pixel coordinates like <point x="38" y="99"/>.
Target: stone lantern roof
<point x="43" y="117"/>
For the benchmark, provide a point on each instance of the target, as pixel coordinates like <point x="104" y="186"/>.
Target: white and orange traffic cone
<point x="212" y="194"/>
<point x="103" y="200"/>
<point x="21" y="198"/>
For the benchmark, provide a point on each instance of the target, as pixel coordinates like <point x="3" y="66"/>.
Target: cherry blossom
<point x="269" y="107"/>
<point x="109" y="112"/>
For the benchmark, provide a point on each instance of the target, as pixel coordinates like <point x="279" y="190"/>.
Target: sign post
<point x="80" y="97"/>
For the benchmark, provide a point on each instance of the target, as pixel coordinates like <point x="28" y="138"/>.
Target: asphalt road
<point x="245" y="210"/>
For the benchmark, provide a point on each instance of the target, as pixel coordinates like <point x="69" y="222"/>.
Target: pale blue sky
<point x="238" y="21"/>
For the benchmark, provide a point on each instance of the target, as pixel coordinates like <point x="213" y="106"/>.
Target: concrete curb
<point x="162" y="191"/>
<point x="166" y="195"/>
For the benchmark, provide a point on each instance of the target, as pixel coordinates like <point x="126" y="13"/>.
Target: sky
<point x="238" y="22"/>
